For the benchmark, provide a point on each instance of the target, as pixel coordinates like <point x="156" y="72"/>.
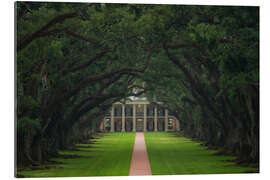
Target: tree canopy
<point x="74" y="60"/>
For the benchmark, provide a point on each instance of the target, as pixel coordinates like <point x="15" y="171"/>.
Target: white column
<point x="134" y="118"/>
<point x="166" y="119"/>
<point x="112" y="119"/>
<point x="177" y="125"/>
<point x="155" y="120"/>
<point x="101" y="127"/>
<point x="123" y="118"/>
<point x="144" y="118"/>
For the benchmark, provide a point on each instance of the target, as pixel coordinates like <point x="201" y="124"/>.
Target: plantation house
<point x="138" y="114"/>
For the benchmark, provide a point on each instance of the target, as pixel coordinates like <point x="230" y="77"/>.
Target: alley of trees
<point x="74" y="60"/>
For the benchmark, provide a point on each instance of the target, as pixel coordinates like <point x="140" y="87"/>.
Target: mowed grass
<point x="108" y="156"/>
<point x="171" y="155"/>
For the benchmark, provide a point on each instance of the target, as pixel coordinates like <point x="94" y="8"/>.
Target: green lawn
<point x="109" y="156"/>
<point x="170" y="155"/>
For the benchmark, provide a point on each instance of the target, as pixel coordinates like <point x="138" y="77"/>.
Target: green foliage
<point x="32" y="106"/>
<point x="27" y="124"/>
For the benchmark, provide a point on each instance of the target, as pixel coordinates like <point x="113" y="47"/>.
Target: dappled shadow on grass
<point x="52" y="164"/>
<point x="70" y="156"/>
<point x="99" y="135"/>
<point x="85" y="146"/>
<point x="46" y="167"/>
<point x="177" y="134"/>
<point x="221" y="152"/>
<point x="19" y="176"/>
<point x="40" y="167"/>
<point x="235" y="161"/>
<point x="229" y="160"/>
<point x="80" y="149"/>
<point x="253" y="165"/>
<point x="91" y="141"/>
<point x="79" y="146"/>
<point x="252" y="171"/>
<point x="190" y="150"/>
<point x="49" y="164"/>
<point x="73" y="156"/>
<point x="97" y="157"/>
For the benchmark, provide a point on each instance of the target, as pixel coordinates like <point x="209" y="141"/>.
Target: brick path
<point x="139" y="163"/>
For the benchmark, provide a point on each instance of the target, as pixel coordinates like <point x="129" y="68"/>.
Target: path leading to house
<point x="139" y="163"/>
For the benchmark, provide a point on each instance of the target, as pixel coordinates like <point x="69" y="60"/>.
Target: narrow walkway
<point x="139" y="163"/>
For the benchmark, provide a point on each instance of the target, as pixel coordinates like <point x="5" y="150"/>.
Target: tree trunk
<point x="37" y="148"/>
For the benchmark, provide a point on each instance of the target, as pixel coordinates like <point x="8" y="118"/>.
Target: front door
<point x="139" y="125"/>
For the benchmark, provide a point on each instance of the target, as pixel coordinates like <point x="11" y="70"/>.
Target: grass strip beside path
<point x="171" y="155"/>
<point x="108" y="156"/>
